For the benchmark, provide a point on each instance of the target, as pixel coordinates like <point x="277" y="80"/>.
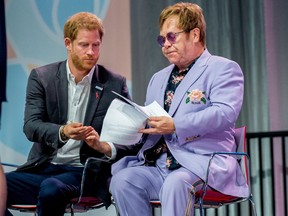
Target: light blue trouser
<point x="133" y="187"/>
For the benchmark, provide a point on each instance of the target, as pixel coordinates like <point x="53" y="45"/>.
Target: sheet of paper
<point x="121" y="124"/>
<point x="124" y="119"/>
<point x="153" y="109"/>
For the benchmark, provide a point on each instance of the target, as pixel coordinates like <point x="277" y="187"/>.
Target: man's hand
<point x="159" y="125"/>
<point x="76" y="131"/>
<point x="92" y="139"/>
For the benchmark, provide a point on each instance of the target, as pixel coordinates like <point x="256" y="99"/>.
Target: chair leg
<point x="116" y="209"/>
<point x="201" y="207"/>
<point x="72" y="209"/>
<point x="253" y="206"/>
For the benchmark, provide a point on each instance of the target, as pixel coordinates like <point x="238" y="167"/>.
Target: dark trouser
<point x="51" y="188"/>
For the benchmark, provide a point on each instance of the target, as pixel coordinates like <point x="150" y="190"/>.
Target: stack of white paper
<point x="124" y="119"/>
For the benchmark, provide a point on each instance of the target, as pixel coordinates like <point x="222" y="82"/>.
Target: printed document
<point x="124" y="118"/>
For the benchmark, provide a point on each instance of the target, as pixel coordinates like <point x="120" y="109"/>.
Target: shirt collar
<point x="87" y="78"/>
<point x="186" y="69"/>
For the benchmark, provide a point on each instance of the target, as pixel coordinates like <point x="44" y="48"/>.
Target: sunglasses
<point x="171" y="37"/>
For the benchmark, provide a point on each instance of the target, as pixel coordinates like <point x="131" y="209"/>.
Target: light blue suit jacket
<point x="204" y="126"/>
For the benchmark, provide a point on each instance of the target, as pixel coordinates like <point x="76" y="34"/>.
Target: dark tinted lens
<point x="161" y="40"/>
<point x="171" y="37"/>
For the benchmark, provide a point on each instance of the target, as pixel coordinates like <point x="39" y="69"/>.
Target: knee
<point x="117" y="181"/>
<point x="120" y="181"/>
<point x="176" y="183"/>
<point x="50" y="188"/>
<point x="11" y="179"/>
<point x="171" y="184"/>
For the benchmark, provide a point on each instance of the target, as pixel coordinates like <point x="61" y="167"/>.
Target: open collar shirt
<point x="78" y="95"/>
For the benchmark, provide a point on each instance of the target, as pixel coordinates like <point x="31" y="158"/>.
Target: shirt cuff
<point x="113" y="151"/>
<point x="63" y="141"/>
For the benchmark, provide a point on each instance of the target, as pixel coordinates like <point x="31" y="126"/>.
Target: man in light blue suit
<point x="203" y="94"/>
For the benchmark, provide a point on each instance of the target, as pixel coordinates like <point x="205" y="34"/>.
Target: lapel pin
<point x="97" y="95"/>
<point x="99" y="88"/>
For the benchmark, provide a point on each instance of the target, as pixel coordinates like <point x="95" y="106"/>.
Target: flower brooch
<point x="196" y="97"/>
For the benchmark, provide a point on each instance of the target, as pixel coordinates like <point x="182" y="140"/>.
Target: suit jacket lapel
<point x="163" y="81"/>
<point x="96" y="92"/>
<point x="191" y="77"/>
<point x="61" y="85"/>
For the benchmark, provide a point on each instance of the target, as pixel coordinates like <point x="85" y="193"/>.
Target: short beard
<point x="78" y="63"/>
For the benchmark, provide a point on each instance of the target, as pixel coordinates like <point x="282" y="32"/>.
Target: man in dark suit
<point x="65" y="101"/>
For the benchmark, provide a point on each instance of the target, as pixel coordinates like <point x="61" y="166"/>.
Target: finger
<point x="90" y="138"/>
<point x="75" y="124"/>
<point x="154" y="118"/>
<point x="148" y="131"/>
<point x="153" y="124"/>
<point x="76" y="137"/>
<point x="82" y="130"/>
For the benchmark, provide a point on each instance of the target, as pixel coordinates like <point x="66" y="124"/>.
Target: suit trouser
<point x="133" y="187"/>
<point x="50" y="187"/>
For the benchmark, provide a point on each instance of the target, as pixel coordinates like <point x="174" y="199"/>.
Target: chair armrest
<point x="238" y="154"/>
<point x="91" y="159"/>
<point x="90" y="164"/>
<point x="8" y="164"/>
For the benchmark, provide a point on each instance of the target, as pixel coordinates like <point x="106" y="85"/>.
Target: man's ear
<point x="67" y="42"/>
<point x="195" y="34"/>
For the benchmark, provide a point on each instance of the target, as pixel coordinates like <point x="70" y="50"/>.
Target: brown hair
<point x="190" y="17"/>
<point x="82" y="20"/>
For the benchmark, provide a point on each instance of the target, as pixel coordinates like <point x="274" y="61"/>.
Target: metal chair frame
<point x="201" y="201"/>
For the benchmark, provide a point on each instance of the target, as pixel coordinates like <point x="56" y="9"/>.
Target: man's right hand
<point x="76" y="131"/>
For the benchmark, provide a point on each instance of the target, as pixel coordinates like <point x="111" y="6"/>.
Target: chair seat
<point x="155" y="203"/>
<point x="83" y="205"/>
<point x="215" y="196"/>
<point x="86" y="203"/>
<point x="24" y="208"/>
<point x="215" y="199"/>
<point x="211" y="198"/>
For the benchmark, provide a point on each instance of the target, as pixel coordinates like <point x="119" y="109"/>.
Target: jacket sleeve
<point x="37" y="125"/>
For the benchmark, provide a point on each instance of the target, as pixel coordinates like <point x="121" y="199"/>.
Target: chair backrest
<point x="86" y="201"/>
<point x="240" y="138"/>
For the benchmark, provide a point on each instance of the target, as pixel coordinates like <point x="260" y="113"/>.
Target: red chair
<point x="207" y="198"/>
<point x="79" y="204"/>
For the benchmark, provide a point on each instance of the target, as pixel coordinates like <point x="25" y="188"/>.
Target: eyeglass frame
<point x="175" y="34"/>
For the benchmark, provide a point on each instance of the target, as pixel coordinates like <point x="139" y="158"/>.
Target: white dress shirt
<point x="78" y="95"/>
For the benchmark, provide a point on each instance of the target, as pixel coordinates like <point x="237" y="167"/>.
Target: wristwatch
<point x="63" y="135"/>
